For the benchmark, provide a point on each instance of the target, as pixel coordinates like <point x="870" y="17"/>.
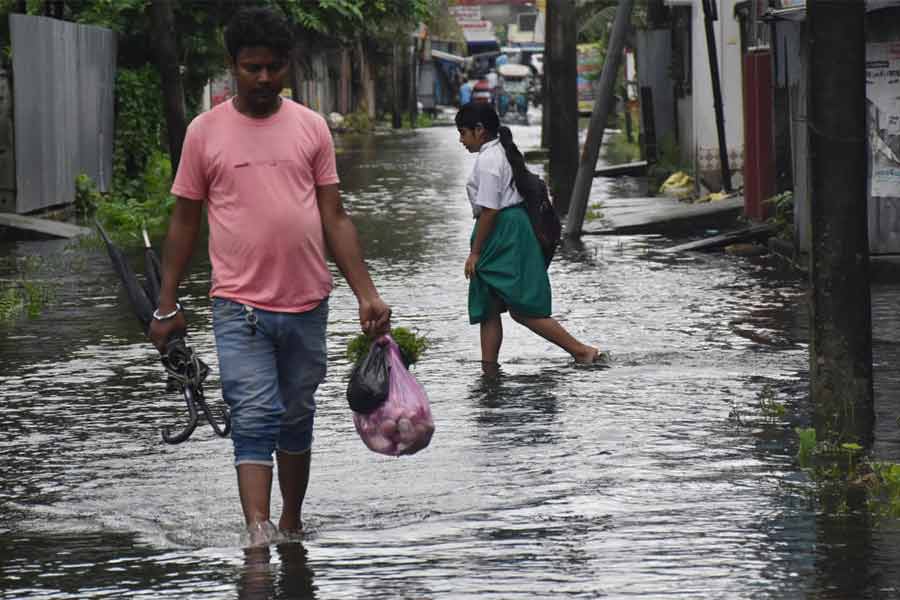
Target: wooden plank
<point x="717" y="241"/>
<point x="633" y="168"/>
<point x="43" y="226"/>
<point x="662" y="215"/>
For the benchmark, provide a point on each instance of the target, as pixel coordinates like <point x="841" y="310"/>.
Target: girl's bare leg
<point x="550" y="329"/>
<point x="491" y="339"/>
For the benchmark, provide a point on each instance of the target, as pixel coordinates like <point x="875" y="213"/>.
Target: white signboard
<point x="466" y="14"/>
<point x="883" y="101"/>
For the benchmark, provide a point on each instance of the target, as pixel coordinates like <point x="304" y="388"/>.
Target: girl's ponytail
<point x="478" y="114"/>
<point x="513" y="155"/>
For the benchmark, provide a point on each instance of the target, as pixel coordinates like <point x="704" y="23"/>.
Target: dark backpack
<point x="544" y="218"/>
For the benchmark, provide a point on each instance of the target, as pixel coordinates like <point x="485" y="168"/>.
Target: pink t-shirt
<point x="259" y="178"/>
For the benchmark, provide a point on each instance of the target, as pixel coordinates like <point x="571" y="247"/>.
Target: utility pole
<point x="841" y="318"/>
<point x="163" y="20"/>
<point x="397" y="84"/>
<point x="710" y="14"/>
<point x="599" y="116"/>
<point x="562" y="103"/>
<point x="546" y="81"/>
<point x="419" y="51"/>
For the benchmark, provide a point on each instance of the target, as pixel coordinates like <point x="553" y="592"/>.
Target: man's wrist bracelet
<point x="168" y="315"/>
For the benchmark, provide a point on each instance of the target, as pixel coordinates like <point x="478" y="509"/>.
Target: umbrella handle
<point x="185" y="433"/>
<point x="221" y="430"/>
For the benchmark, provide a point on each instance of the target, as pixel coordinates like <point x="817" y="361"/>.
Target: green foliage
<point x="412" y="346"/>
<point x="619" y="149"/>
<point x="142" y="172"/>
<point x="884" y="489"/>
<point x="593" y="212"/>
<point x="22" y="294"/>
<point x="357" y="122"/>
<point x="807" y="444"/>
<point x="595" y="18"/>
<point x="844" y="479"/>
<point x="139" y="118"/>
<point x="769" y="406"/>
<point x="145" y="202"/>
<point x="783" y="214"/>
<point x="87" y="198"/>
<point x="423" y="120"/>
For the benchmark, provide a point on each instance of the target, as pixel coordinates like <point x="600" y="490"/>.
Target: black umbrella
<point x="185" y="369"/>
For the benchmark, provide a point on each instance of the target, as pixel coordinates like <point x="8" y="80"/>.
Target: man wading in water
<point x="266" y="169"/>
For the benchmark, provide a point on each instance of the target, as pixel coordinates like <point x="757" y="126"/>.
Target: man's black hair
<point x="258" y="26"/>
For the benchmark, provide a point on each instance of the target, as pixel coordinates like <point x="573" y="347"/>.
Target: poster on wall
<point x="589" y="65"/>
<point x="883" y="105"/>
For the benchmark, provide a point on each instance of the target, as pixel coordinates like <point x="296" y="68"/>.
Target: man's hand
<point x="374" y="316"/>
<point x="162" y="331"/>
<point x="470" y="265"/>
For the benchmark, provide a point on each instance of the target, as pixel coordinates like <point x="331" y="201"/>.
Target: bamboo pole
<point x="599" y="116"/>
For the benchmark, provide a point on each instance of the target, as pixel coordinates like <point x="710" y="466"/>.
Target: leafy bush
<point x="783" y="214"/>
<point x="144" y="202"/>
<point x="357" y="122"/>
<point x="142" y="172"/>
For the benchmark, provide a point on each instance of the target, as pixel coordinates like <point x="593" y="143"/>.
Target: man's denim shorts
<point x="270" y="364"/>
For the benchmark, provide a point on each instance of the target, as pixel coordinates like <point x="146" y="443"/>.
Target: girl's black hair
<point x="258" y="26"/>
<point x="482" y="114"/>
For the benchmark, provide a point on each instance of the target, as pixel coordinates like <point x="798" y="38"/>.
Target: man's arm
<point x="343" y="243"/>
<point x="184" y="226"/>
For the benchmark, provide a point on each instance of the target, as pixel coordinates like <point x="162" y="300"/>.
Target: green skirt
<point x="510" y="272"/>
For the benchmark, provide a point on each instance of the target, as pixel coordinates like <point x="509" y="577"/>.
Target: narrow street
<point x="668" y="475"/>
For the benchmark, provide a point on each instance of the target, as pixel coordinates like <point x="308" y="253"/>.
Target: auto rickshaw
<point x="512" y="95"/>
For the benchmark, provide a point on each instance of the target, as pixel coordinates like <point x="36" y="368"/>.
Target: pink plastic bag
<point x="403" y="423"/>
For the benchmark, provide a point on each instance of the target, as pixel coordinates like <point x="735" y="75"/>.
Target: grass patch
<point x="22" y="295"/>
<point x="619" y="149"/>
<point x="594" y="212"/>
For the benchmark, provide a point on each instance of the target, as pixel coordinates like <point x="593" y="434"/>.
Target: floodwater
<point x="661" y="477"/>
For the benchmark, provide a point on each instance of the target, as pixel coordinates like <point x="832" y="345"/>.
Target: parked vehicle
<point x="513" y="90"/>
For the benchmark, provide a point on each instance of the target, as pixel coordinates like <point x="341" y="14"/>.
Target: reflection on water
<point x="659" y="477"/>
<point x="288" y="579"/>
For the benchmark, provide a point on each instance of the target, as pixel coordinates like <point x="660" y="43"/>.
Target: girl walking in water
<point x="505" y="267"/>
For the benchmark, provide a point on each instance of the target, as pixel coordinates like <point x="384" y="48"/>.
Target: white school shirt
<point x="491" y="183"/>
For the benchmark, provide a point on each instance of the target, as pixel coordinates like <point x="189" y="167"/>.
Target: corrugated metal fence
<point x="63" y="82"/>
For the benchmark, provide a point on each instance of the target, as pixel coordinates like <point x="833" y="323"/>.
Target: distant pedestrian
<point x="482" y="91"/>
<point x="465" y="93"/>
<point x="505" y="267"/>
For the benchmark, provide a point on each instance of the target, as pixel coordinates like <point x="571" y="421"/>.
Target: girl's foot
<point x="490" y="368"/>
<point x="592" y="356"/>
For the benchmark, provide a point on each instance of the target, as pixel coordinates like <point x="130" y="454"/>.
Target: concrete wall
<point x="63" y="87"/>
<point x="7" y="146"/>
<point x="728" y="45"/>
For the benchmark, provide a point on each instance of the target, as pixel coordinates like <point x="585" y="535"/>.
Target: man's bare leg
<point x="293" y="478"/>
<point x="255" y="489"/>
<point x="550" y="329"/>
